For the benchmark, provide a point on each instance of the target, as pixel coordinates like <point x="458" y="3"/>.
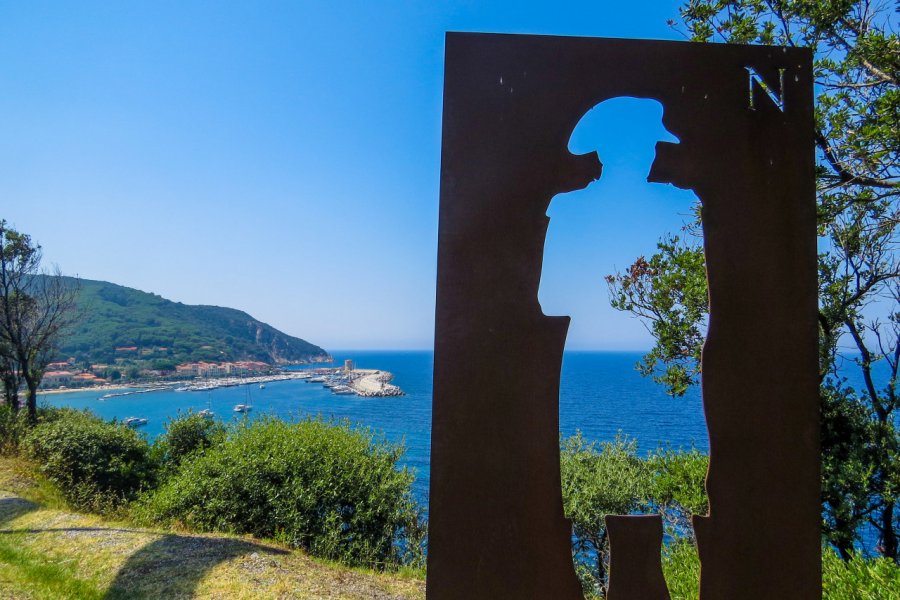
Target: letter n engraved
<point x="756" y="82"/>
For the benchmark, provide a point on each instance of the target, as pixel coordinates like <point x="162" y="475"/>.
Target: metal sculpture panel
<point x="743" y="115"/>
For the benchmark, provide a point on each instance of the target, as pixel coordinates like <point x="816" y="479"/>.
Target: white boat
<point x="135" y="421"/>
<point x="242" y="408"/>
<point x="206" y="413"/>
<point x="342" y="390"/>
<point x="262" y="386"/>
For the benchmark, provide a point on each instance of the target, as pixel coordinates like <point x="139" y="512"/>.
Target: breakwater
<point x="367" y="383"/>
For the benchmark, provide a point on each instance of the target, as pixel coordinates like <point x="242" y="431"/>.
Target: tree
<point x="9" y="373"/>
<point x="857" y="67"/>
<point x="609" y="478"/>
<point x="36" y="309"/>
<point x="599" y="479"/>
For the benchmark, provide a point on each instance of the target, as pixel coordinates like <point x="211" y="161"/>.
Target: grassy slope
<point x="49" y="553"/>
<point x="116" y="316"/>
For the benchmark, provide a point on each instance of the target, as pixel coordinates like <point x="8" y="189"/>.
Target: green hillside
<point x="167" y="332"/>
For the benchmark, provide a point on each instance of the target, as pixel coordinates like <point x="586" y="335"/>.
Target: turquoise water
<point x="600" y="395"/>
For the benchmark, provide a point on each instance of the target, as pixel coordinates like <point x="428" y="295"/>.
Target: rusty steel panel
<point x="497" y="528"/>
<point x="635" y="564"/>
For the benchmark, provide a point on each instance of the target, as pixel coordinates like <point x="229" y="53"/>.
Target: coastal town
<point x="67" y="374"/>
<point x="206" y="376"/>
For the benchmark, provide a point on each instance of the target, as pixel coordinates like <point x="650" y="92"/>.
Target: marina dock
<point x="366" y="383"/>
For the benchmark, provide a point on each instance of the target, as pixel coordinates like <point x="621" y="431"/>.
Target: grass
<point x="49" y="552"/>
<point x="32" y="575"/>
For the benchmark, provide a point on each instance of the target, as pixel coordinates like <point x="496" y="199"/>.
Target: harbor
<point x="367" y="383"/>
<point x="346" y="380"/>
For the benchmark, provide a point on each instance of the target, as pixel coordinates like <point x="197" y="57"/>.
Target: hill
<point x="123" y="323"/>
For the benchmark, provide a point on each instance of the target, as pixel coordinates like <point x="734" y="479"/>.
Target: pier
<point x="372" y="383"/>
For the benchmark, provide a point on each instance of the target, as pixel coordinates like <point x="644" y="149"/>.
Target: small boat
<point x="262" y="386"/>
<point x="342" y="390"/>
<point x="319" y="379"/>
<point x="242" y="408"/>
<point x="206" y="413"/>
<point x="135" y="421"/>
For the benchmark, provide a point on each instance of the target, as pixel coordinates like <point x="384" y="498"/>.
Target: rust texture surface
<point x="635" y="558"/>
<point x="497" y="528"/>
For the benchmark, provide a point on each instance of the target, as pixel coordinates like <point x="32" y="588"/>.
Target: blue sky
<point x="283" y="158"/>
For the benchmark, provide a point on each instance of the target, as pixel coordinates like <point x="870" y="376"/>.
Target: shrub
<point x="96" y="465"/>
<point x="677" y="489"/>
<point x="330" y="489"/>
<point x="13" y="427"/>
<point x="681" y="567"/>
<point x="859" y="578"/>
<point x="184" y="435"/>
<point x="600" y="479"/>
<point x="856" y="579"/>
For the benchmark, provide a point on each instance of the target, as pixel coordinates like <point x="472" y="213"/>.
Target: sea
<point x="601" y="395"/>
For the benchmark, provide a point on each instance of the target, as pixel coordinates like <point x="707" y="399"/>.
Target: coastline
<point x="367" y="383"/>
<point x="91" y="388"/>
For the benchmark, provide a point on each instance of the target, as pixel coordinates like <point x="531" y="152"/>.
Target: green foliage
<point x="669" y="291"/>
<point x="847" y="471"/>
<point x="97" y="465"/>
<point x="609" y="478"/>
<point x="330" y="489"/>
<point x="859" y="578"/>
<point x="167" y="333"/>
<point x="602" y="478"/>
<point x="678" y="487"/>
<point x="36" y="311"/>
<point x="13" y="428"/>
<point x="185" y="435"/>
<point x="599" y="479"/>
<point x="681" y="568"/>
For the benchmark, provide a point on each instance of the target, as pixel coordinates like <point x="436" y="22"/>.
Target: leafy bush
<point x="184" y="435"/>
<point x="859" y="578"/>
<point x="13" y="427"/>
<point x="599" y="479"/>
<point x="677" y="488"/>
<point x="681" y="567"/>
<point x="96" y="465"/>
<point x="856" y="579"/>
<point x="610" y="478"/>
<point x="324" y="487"/>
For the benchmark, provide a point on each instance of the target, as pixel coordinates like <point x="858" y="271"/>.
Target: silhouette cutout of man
<point x="578" y="246"/>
